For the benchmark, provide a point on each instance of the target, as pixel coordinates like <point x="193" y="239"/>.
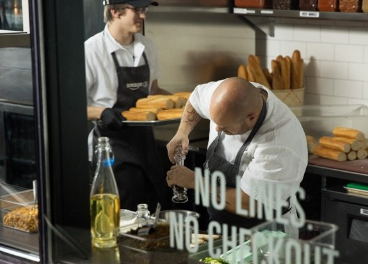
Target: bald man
<point x="252" y="134"/>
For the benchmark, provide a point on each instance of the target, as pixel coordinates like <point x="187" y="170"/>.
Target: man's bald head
<point x="235" y="98"/>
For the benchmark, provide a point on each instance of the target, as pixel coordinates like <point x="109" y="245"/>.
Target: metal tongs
<point x="35" y="200"/>
<point x="145" y="230"/>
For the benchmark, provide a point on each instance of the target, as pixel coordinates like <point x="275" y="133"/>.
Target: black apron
<point x="215" y="162"/>
<point x="137" y="168"/>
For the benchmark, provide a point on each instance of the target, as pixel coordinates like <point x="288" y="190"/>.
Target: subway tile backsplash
<point x="335" y="55"/>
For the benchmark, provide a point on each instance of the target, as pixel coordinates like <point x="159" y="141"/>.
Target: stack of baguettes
<point x="158" y="107"/>
<point x="287" y="73"/>
<point x="345" y="144"/>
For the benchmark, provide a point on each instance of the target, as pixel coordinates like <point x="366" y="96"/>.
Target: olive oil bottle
<point x="104" y="199"/>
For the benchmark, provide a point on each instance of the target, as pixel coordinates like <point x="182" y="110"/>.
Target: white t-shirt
<point x="101" y="77"/>
<point x="277" y="154"/>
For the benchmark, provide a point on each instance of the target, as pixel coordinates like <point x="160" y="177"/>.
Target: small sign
<point x="243" y="11"/>
<point x="308" y="14"/>
<point x="363" y="211"/>
<point x="267" y="12"/>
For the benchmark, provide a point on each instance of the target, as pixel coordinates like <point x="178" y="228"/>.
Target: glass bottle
<point x="180" y="193"/>
<point x="143" y="215"/>
<point x="104" y="199"/>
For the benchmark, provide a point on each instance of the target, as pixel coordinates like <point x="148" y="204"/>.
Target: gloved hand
<point x="112" y="119"/>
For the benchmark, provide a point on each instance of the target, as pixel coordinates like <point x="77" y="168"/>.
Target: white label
<point x="267" y="12"/>
<point x="363" y="211"/>
<point x="308" y="14"/>
<point x="243" y="11"/>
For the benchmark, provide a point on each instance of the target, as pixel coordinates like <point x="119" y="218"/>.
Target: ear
<point x="252" y="116"/>
<point x="114" y="13"/>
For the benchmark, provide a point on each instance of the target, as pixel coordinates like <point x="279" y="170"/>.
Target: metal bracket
<point x="266" y="25"/>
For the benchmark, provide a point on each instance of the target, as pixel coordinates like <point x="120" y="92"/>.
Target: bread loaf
<point x="329" y="153"/>
<point x="311" y="143"/>
<point x="250" y="75"/>
<point x="160" y="102"/>
<point x="352" y="155"/>
<point x="362" y="154"/>
<point x="285" y="72"/>
<point x="144" y="109"/>
<point x="335" y="144"/>
<point x="183" y="94"/>
<point x="348" y="133"/>
<point x="170" y="114"/>
<point x="355" y="143"/>
<point x="277" y="81"/>
<point x="268" y="75"/>
<point x="242" y="72"/>
<point x="257" y="72"/>
<point x="139" y="116"/>
<point x="297" y="70"/>
<point x="179" y="101"/>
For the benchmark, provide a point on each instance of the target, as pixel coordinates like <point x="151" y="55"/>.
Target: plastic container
<point x="154" y="248"/>
<point x="351" y="6"/>
<point x="254" y="3"/>
<point x="328" y="5"/>
<point x="18" y="210"/>
<point x="309" y="5"/>
<point x="286" y="4"/>
<point x="312" y="234"/>
<point x="320" y="120"/>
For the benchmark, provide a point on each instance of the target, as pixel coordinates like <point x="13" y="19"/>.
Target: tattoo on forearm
<point x="192" y="116"/>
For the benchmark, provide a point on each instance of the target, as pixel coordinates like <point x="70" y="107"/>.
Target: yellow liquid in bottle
<point x="105" y="210"/>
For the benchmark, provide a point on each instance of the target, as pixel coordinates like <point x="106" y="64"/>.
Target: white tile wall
<point x="335" y="55"/>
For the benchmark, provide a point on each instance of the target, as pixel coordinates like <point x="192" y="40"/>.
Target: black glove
<point x="112" y="119"/>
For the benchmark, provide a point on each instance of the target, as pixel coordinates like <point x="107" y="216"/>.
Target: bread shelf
<point x="301" y="14"/>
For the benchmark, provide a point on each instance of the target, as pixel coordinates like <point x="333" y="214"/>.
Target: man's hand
<point x="112" y="119"/>
<point x="181" y="176"/>
<point x="179" y="140"/>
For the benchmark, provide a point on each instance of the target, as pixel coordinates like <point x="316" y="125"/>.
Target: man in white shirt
<point x="121" y="67"/>
<point x="252" y="134"/>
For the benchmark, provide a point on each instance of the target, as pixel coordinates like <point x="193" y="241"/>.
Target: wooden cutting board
<point x="358" y="166"/>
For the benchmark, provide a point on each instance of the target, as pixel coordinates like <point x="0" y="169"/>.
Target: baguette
<point x="144" y="109"/>
<point x="179" y="101"/>
<point x="242" y="72"/>
<point x="277" y="81"/>
<point x="268" y="75"/>
<point x="160" y="102"/>
<point x="362" y="154"/>
<point x="355" y="143"/>
<point x="311" y="143"/>
<point x="348" y="132"/>
<point x="139" y="116"/>
<point x="170" y="114"/>
<point x="329" y="153"/>
<point x="250" y="75"/>
<point x="257" y="72"/>
<point x="352" y="155"/>
<point x="330" y="143"/>
<point x="183" y="94"/>
<point x="285" y="72"/>
<point x="365" y="144"/>
<point x="297" y="70"/>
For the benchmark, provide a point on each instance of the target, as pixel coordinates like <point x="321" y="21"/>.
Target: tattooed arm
<point x="188" y="121"/>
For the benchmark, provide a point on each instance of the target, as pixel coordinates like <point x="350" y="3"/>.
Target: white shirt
<point x="101" y="77"/>
<point x="277" y="154"/>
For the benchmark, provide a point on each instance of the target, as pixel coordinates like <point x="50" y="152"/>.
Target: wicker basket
<point x="291" y="97"/>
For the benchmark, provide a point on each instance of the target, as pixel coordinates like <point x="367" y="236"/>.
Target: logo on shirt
<point x="135" y="86"/>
